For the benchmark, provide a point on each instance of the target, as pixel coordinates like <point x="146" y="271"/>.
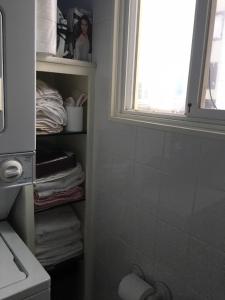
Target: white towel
<point x="56" y="219"/>
<point x="51" y="115"/>
<point x="61" y="175"/>
<point x="58" y="243"/>
<point x="43" y="88"/>
<point x="58" y="252"/>
<point x="72" y="233"/>
<point x="53" y="111"/>
<point x="59" y="182"/>
<point x="58" y="235"/>
<point x="54" y="260"/>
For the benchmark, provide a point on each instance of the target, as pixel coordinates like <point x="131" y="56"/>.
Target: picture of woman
<point x="83" y="40"/>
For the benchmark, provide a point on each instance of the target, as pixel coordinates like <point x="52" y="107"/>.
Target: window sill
<point x="181" y="123"/>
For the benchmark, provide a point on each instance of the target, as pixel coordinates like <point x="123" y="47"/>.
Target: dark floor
<point x="67" y="280"/>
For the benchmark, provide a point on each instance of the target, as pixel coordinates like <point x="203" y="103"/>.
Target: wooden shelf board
<point x="60" y="134"/>
<point x="63" y="65"/>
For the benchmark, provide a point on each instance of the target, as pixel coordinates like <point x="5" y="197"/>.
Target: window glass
<point x="214" y="81"/>
<point x="163" y="55"/>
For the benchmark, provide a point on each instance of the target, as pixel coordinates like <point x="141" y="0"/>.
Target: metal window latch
<point x="189" y="107"/>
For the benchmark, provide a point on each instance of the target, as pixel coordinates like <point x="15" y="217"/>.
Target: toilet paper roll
<point x="46" y="27"/>
<point x="47" y="9"/>
<point x="133" y="287"/>
<point x="46" y="37"/>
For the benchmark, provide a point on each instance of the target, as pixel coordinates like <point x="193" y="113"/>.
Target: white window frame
<point x="124" y="62"/>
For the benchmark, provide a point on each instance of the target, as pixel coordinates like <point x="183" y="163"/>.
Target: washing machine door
<point x="21" y="275"/>
<point x="9" y="270"/>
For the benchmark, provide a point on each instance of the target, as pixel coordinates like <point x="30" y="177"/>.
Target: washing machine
<point x="21" y="275"/>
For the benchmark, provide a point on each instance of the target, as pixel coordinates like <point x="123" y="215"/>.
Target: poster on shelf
<point x="78" y="39"/>
<point x="62" y="30"/>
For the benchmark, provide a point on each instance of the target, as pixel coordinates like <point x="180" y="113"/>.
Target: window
<point x="169" y="63"/>
<point x="214" y="92"/>
<point x="163" y="55"/>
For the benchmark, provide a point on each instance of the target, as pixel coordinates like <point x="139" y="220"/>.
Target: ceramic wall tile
<point x="212" y="164"/>
<point x="177" y="195"/>
<point x="146" y="234"/>
<point x="217" y="269"/>
<point x="175" y="283"/>
<point x="208" y="217"/>
<point x="147" y="186"/>
<point x="181" y="154"/>
<point x="171" y="248"/>
<point x="198" y="267"/>
<point x="149" y="147"/>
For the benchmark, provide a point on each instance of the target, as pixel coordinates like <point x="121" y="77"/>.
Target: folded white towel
<point x="58" y="243"/>
<point x="50" y="113"/>
<point x="56" y="117"/>
<point x="59" y="182"/>
<point x="54" y="97"/>
<point x="57" y="252"/>
<point x="44" y="130"/>
<point x="44" y="89"/>
<point x="56" y="219"/>
<point x="45" y="122"/>
<point x="60" y="175"/>
<point x="54" y="260"/>
<point x="72" y="233"/>
<point x="53" y="111"/>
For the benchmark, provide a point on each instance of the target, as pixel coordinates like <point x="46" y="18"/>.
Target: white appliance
<point x="17" y="91"/>
<point x="21" y="275"/>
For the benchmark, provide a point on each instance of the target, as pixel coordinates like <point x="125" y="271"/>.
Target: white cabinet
<point x="65" y="75"/>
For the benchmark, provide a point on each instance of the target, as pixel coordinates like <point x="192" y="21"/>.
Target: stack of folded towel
<point x="59" y="188"/>
<point x="50" y="113"/>
<point x="58" y="236"/>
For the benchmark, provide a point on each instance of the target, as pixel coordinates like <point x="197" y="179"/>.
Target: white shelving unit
<point x="64" y="66"/>
<point x="65" y="75"/>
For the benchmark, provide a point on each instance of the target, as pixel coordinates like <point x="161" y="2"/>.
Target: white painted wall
<point x="159" y="199"/>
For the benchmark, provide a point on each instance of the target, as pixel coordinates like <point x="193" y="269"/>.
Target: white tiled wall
<point x="159" y="198"/>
